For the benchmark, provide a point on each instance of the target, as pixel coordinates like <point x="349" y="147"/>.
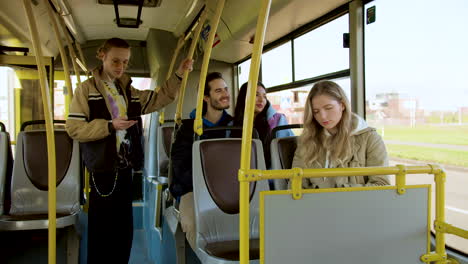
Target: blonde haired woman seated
<point x="334" y="137"/>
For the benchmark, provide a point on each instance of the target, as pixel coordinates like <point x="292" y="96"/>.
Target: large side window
<point x="277" y="65"/>
<point x="321" y="50"/>
<point x="291" y="102"/>
<point x="417" y="93"/>
<point x="243" y="72"/>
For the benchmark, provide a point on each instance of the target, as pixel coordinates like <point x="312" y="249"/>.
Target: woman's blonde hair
<point x="111" y="43"/>
<point x="314" y="143"/>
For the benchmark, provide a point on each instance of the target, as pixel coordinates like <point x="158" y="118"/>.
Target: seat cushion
<point x="230" y="249"/>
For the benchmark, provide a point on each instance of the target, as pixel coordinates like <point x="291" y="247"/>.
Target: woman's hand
<point x="185" y="65"/>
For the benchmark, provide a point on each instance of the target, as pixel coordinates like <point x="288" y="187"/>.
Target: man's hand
<point x="185" y="65"/>
<point x="122" y="123"/>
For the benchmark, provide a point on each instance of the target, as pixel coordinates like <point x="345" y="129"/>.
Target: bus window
<point x="141" y="83"/>
<point x="8" y="79"/>
<point x="291" y="102"/>
<point x="277" y="65"/>
<point x="243" y="72"/>
<point x="416" y="92"/>
<point x="321" y="51"/>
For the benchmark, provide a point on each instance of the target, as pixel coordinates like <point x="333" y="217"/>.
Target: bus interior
<point x="401" y="65"/>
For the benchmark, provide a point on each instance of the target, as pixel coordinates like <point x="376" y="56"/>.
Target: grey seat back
<point x="216" y="193"/>
<point x="5" y="169"/>
<point x="30" y="174"/>
<point x="282" y="155"/>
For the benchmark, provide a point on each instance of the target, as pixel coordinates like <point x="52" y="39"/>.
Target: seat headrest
<point x="220" y="165"/>
<point x="35" y="156"/>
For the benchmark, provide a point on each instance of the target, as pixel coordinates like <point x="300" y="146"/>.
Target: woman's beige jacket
<point x="368" y="151"/>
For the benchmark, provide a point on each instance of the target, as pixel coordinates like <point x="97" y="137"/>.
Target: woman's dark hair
<point x="260" y="121"/>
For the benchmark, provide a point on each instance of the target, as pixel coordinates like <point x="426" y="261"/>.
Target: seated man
<point x="216" y="100"/>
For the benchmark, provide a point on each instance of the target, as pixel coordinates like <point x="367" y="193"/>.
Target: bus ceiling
<point x="89" y="20"/>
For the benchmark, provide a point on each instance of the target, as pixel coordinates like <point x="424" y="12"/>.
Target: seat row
<point x="216" y="191"/>
<point x="24" y="182"/>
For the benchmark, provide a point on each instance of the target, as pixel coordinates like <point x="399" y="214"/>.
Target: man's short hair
<point x="210" y="77"/>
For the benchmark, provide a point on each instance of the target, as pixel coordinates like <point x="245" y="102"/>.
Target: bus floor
<point x="139" y="245"/>
<point x="163" y="251"/>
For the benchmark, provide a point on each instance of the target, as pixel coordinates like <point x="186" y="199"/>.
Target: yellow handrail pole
<point x="247" y="130"/>
<point x="180" y="44"/>
<point x="193" y="45"/>
<point x="87" y="189"/>
<point x="49" y="130"/>
<point x="70" y="50"/>
<point x="63" y="55"/>
<point x="17" y="111"/>
<point x="198" y="123"/>
<point x="82" y="58"/>
<point x="440" y="215"/>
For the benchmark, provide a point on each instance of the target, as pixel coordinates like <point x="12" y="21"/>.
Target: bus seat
<point x="6" y="164"/>
<point x="282" y="155"/>
<point x="216" y="195"/>
<point x="29" y="196"/>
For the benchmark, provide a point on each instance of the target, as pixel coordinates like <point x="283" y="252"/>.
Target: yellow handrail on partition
<point x="66" y="70"/>
<point x="440" y="215"/>
<point x="297" y="174"/>
<point x="49" y="132"/>
<point x="180" y="44"/>
<point x="198" y="123"/>
<point x="183" y="85"/>
<point x="247" y="130"/>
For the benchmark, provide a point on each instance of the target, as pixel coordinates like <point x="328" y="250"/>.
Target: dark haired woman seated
<point x="265" y="118"/>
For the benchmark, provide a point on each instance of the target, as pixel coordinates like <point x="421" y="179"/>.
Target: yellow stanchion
<point x="46" y="102"/>
<point x="440" y="215"/>
<point x="17" y="111"/>
<point x="247" y="130"/>
<point x="71" y="50"/>
<point x="198" y="123"/>
<point x="66" y="70"/>
<point x="87" y="189"/>
<point x="183" y="85"/>
<point x="82" y="58"/>
<point x="179" y="46"/>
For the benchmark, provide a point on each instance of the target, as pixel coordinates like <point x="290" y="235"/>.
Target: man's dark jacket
<point x="181" y="152"/>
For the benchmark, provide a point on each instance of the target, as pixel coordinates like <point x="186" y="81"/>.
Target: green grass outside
<point x="448" y="134"/>
<point x="436" y="155"/>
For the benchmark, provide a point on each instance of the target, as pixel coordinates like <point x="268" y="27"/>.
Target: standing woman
<point x="334" y="137"/>
<point x="105" y="118"/>
<point x="265" y="118"/>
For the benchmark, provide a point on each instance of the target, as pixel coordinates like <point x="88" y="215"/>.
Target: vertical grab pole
<point x="198" y="124"/>
<point x="80" y="52"/>
<point x="66" y="70"/>
<point x="247" y="130"/>
<point x="440" y="215"/>
<point x="49" y="130"/>
<point x="70" y="50"/>
<point x="180" y="44"/>
<point x="178" y="114"/>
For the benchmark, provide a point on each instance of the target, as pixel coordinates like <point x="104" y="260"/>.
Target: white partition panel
<point x="346" y="225"/>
